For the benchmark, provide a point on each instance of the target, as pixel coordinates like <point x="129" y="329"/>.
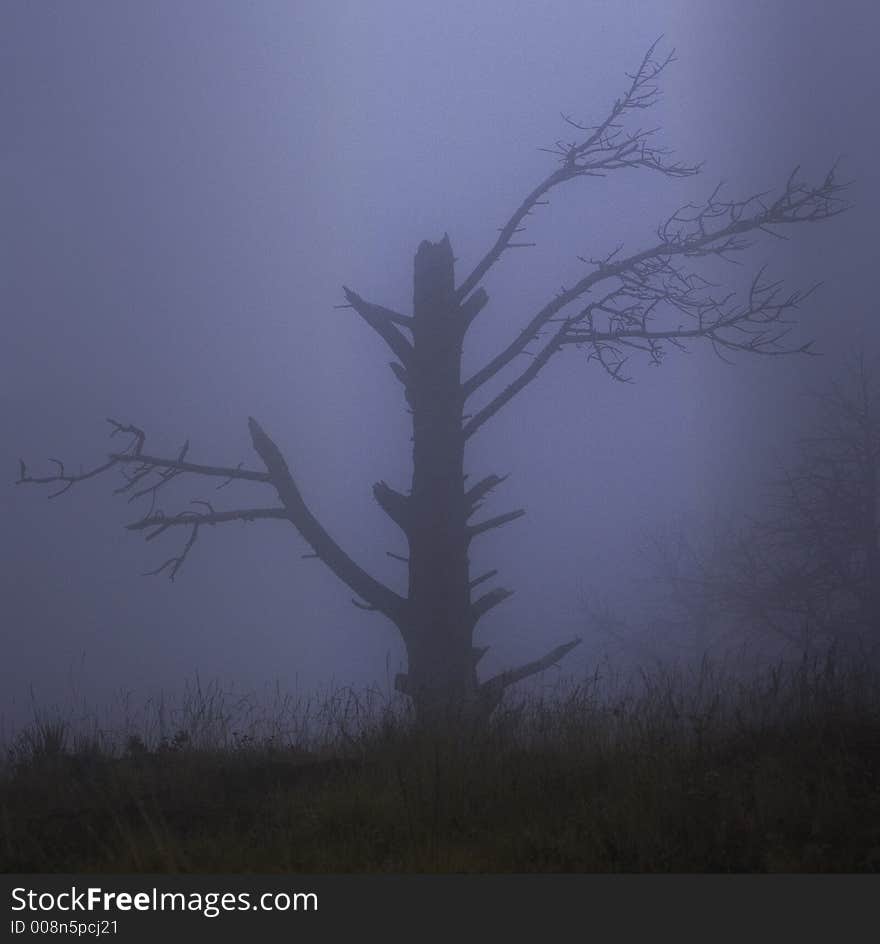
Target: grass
<point x="675" y="772"/>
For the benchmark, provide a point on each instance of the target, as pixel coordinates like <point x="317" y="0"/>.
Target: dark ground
<point x="681" y="774"/>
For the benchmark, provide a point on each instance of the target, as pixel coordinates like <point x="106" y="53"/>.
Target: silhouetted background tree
<point x="620" y="305"/>
<point x="806" y="568"/>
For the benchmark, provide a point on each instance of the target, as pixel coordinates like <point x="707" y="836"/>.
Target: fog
<point x="187" y="187"/>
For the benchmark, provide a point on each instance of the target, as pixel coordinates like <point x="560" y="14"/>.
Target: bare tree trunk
<point x="442" y="672"/>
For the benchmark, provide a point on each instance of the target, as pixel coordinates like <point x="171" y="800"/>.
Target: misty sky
<point x="184" y="189"/>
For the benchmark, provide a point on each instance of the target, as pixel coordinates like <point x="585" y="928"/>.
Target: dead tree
<point x="833" y="497"/>
<point x="617" y="306"/>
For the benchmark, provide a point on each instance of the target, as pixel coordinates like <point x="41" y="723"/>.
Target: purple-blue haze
<point x="184" y="190"/>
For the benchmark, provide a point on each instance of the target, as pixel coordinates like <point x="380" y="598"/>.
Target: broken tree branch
<point x="383" y="321"/>
<point x="395" y="504"/>
<point x="482" y="578"/>
<point x="375" y="594"/>
<point x="496" y="522"/>
<point x="492" y="689"/>
<point x="481" y="489"/>
<point x="472" y="306"/>
<point x="480" y="607"/>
